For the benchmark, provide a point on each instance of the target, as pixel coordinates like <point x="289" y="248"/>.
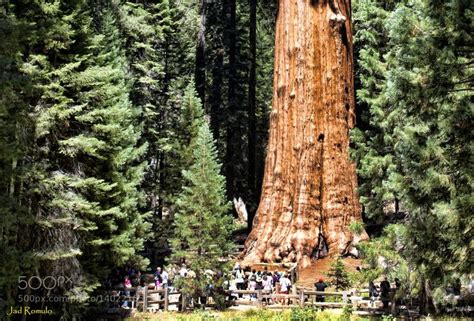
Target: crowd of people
<point x="270" y="282"/>
<point x="275" y="282"/>
<point x="247" y="279"/>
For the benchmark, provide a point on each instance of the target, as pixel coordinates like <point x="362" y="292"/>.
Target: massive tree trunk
<point x="309" y="190"/>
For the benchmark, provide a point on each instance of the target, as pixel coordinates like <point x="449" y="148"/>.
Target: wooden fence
<point x="148" y="299"/>
<point x="301" y="297"/>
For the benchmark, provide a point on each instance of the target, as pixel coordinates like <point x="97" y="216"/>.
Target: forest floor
<point x="319" y="269"/>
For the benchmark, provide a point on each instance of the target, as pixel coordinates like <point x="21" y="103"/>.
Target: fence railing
<point x="148" y="299"/>
<point x="301" y="297"/>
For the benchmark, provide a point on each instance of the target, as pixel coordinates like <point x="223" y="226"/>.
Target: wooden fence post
<point x="293" y="292"/>
<point x="183" y="302"/>
<point x="259" y="299"/>
<point x="145" y="299"/>
<point x="302" y="298"/>
<point x="166" y="299"/>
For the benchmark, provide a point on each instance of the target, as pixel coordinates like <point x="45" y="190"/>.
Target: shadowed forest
<point x="129" y="130"/>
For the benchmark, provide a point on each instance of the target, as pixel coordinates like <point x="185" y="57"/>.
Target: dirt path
<point x="318" y="269"/>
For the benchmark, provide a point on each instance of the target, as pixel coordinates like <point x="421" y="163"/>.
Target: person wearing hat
<point x="320" y="287"/>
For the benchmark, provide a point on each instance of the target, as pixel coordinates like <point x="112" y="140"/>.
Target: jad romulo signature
<point x="26" y="310"/>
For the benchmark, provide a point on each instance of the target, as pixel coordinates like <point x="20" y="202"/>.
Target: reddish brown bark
<point x="309" y="187"/>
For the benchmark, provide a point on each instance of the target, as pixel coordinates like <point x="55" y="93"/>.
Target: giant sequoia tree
<point x="309" y="196"/>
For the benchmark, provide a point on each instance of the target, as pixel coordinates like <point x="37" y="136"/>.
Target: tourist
<point x="158" y="281"/>
<point x="373" y="293"/>
<point x="157" y="273"/>
<point x="236" y="267"/>
<point x="252" y="286"/>
<point x="231" y="285"/>
<point x="141" y="279"/>
<point x="267" y="286"/>
<point x="385" y="293"/>
<point x="127" y="285"/>
<point x="285" y="284"/>
<point x="259" y="281"/>
<point x="239" y="279"/>
<point x="276" y="277"/>
<point x="164" y="278"/>
<point x="172" y="275"/>
<point x="183" y="272"/>
<point x="320" y="286"/>
<point x="253" y="273"/>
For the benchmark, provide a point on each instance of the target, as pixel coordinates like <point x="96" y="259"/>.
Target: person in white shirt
<point x="285" y="285"/>
<point x="239" y="279"/>
<point x="183" y="272"/>
<point x="164" y="278"/>
<point x="267" y="284"/>
<point x="252" y="287"/>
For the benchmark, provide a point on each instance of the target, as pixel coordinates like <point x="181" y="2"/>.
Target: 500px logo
<point x="49" y="282"/>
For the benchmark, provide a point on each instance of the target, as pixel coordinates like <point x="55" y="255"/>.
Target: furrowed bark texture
<point x="309" y="190"/>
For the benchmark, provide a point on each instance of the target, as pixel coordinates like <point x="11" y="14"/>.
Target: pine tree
<point x="53" y="49"/>
<point x="112" y="153"/>
<point x="177" y="22"/>
<point x="202" y="225"/>
<point x="373" y="149"/>
<point x="16" y="131"/>
<point x="418" y="87"/>
<point x="338" y="275"/>
<point x="77" y="191"/>
<point x="429" y="87"/>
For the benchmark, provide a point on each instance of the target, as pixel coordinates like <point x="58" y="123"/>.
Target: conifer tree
<point x="175" y="49"/>
<point x="373" y="152"/>
<point x="266" y="21"/>
<point x="429" y="88"/>
<point x="15" y="141"/>
<point x="202" y="226"/>
<point x="417" y="83"/>
<point x="77" y="192"/>
<point x="338" y="275"/>
<point x="52" y="51"/>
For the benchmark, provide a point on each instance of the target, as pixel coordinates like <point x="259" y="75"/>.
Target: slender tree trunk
<point x="232" y="104"/>
<point x="160" y="157"/>
<point x="216" y="95"/>
<point x="251" y="107"/>
<point x="309" y="186"/>
<point x="200" y="71"/>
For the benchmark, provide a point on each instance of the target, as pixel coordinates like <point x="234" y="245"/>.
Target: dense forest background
<point x="103" y="102"/>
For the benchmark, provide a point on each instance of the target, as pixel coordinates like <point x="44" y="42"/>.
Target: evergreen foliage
<point x="416" y="80"/>
<point x="339" y="278"/>
<point x="79" y="182"/>
<point x="15" y="140"/>
<point x="373" y="140"/>
<point x="202" y="226"/>
<point x="430" y="90"/>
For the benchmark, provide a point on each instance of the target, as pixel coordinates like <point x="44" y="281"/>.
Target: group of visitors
<point x="162" y="278"/>
<point x="384" y="291"/>
<point x="275" y="282"/>
<point x="131" y="279"/>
